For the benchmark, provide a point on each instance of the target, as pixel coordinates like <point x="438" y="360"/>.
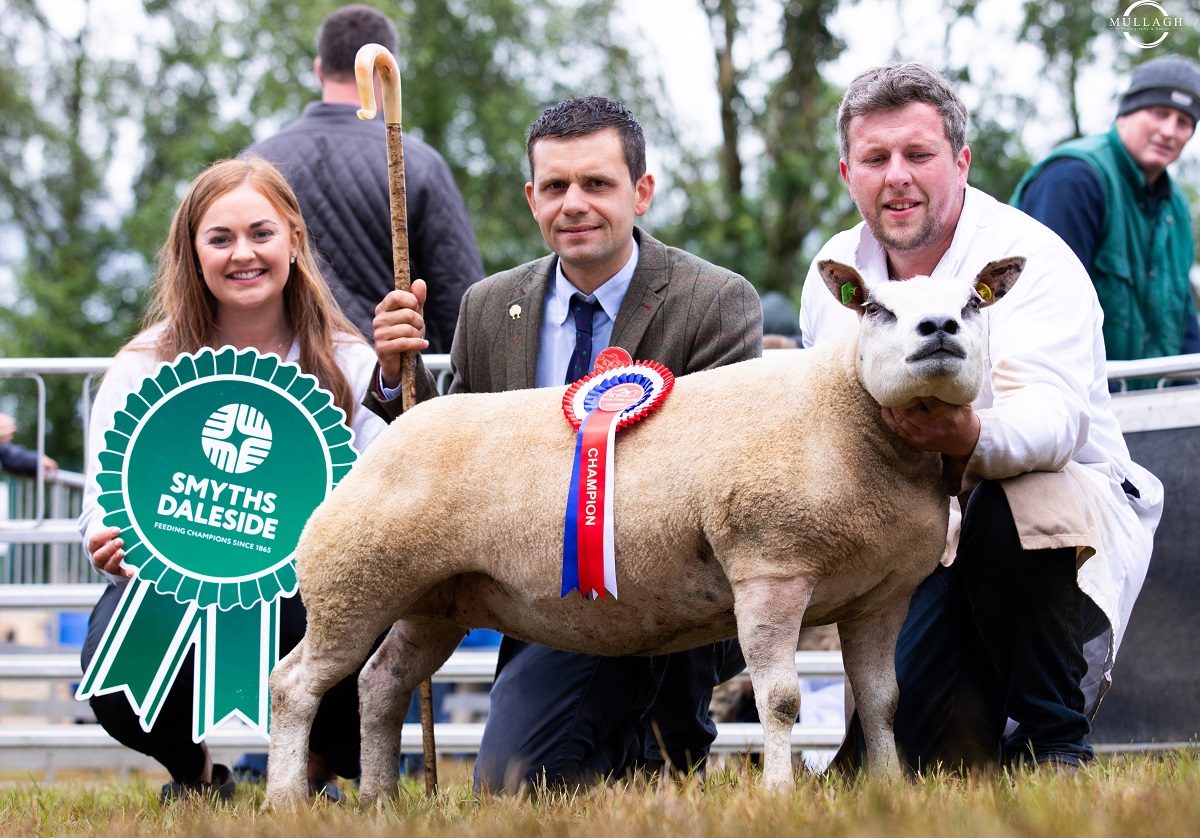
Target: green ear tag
<point x="848" y="292"/>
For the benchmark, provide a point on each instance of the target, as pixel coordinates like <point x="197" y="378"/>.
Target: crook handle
<point x="372" y="57"/>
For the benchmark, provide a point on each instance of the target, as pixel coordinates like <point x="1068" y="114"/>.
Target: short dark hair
<point x="345" y="31"/>
<point x="580" y="116"/>
<point x="896" y="85"/>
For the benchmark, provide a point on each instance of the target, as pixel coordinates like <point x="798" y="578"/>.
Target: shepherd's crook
<point x="370" y="57"/>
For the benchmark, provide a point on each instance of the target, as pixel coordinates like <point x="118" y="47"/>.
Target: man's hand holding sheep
<point x="933" y="425"/>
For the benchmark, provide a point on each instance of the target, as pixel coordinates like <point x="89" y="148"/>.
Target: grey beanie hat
<point x="1171" y="81"/>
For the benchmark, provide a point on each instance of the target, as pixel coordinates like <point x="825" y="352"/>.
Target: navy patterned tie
<point x="581" y="358"/>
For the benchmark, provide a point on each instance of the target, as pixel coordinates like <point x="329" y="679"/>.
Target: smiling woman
<point x="246" y="251"/>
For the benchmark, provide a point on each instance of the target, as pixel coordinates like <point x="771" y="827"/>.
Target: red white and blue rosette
<point x="617" y="393"/>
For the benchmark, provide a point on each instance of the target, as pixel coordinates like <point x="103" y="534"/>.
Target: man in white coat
<point x="1008" y="646"/>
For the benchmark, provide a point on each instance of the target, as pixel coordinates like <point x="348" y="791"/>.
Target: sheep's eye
<point x="971" y="308"/>
<point x="877" y="313"/>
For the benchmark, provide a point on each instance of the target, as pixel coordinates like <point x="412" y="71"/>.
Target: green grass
<point x="1121" y="797"/>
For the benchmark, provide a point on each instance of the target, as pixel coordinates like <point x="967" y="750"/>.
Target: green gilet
<point x="1141" y="266"/>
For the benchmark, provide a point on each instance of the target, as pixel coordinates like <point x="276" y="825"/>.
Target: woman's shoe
<point x="220" y="789"/>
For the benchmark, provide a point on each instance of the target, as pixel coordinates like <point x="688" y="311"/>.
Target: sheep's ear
<point x="997" y="277"/>
<point x="845" y="283"/>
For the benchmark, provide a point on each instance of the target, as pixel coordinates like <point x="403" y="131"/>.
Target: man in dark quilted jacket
<point x="337" y="164"/>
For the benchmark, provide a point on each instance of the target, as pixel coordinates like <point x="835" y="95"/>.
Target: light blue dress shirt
<point x="557" y="340"/>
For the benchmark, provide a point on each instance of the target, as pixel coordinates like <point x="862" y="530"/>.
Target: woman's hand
<point x="105" y="546"/>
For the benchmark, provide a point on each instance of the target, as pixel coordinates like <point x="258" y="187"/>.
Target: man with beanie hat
<point x="1110" y="198"/>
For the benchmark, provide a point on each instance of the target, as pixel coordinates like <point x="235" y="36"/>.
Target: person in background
<point x="563" y="718"/>
<point x="236" y="270"/>
<point x="781" y="326"/>
<point x="1113" y="202"/>
<point x="1023" y="620"/>
<point x="337" y="165"/>
<point x="16" y="459"/>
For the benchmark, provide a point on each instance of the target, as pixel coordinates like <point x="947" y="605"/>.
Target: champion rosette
<point x="616" y="394"/>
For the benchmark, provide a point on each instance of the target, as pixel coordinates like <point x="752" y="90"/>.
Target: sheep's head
<point x="921" y="337"/>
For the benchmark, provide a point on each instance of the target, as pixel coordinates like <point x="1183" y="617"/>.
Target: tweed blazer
<point x="680" y="311"/>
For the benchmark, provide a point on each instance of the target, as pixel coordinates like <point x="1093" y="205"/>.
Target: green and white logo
<point x="236" y="438"/>
<point x="1145" y="24"/>
<point x="211" y="471"/>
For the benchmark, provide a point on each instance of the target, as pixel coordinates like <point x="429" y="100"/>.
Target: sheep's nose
<point x="933" y="325"/>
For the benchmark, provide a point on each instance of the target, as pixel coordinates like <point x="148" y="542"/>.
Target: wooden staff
<point x="375" y="57"/>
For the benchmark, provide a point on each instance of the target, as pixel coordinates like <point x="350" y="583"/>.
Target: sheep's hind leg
<point x="769" y="613"/>
<point x="298" y="683"/>
<point x="412" y="651"/>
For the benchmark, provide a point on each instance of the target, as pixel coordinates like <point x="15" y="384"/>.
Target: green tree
<point x="803" y="197"/>
<point x="79" y="254"/>
<point x="72" y="294"/>
<point x="765" y="218"/>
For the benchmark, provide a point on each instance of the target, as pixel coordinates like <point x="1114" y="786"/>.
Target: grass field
<point x="1121" y="797"/>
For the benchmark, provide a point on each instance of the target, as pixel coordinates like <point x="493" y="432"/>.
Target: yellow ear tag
<point x="985" y="292"/>
<point x="848" y="292"/>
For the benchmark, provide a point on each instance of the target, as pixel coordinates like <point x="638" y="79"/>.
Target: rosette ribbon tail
<point x="146" y="644"/>
<point x="587" y="533"/>
<point x="570" y="564"/>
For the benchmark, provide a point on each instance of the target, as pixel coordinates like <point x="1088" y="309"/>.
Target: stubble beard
<point x="902" y="240"/>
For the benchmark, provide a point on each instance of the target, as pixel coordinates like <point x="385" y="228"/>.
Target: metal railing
<point x="45" y="515"/>
<point x="78" y="744"/>
<point x="44" y="547"/>
<point x="45" y="550"/>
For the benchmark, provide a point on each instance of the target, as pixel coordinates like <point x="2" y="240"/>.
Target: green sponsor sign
<point x="211" y="471"/>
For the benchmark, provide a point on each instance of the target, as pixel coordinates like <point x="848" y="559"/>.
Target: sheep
<point x="762" y="497"/>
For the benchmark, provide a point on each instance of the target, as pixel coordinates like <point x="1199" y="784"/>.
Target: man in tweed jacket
<point x="567" y="717"/>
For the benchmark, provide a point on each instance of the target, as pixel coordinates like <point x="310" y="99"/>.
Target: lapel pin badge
<point x="514" y="312"/>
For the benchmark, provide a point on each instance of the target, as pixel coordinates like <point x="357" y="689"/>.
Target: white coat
<point x="1044" y="410"/>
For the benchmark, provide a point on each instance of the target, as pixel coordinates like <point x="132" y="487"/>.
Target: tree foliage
<point x="72" y="293"/>
<point x="205" y="80"/>
<point x="761" y="216"/>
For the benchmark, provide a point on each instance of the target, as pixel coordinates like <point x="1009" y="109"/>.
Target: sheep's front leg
<point x="869" y="654"/>
<point x="412" y="651"/>
<point x="769" y="613"/>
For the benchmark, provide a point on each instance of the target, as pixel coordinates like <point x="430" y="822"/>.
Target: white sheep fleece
<point x="761" y="495"/>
